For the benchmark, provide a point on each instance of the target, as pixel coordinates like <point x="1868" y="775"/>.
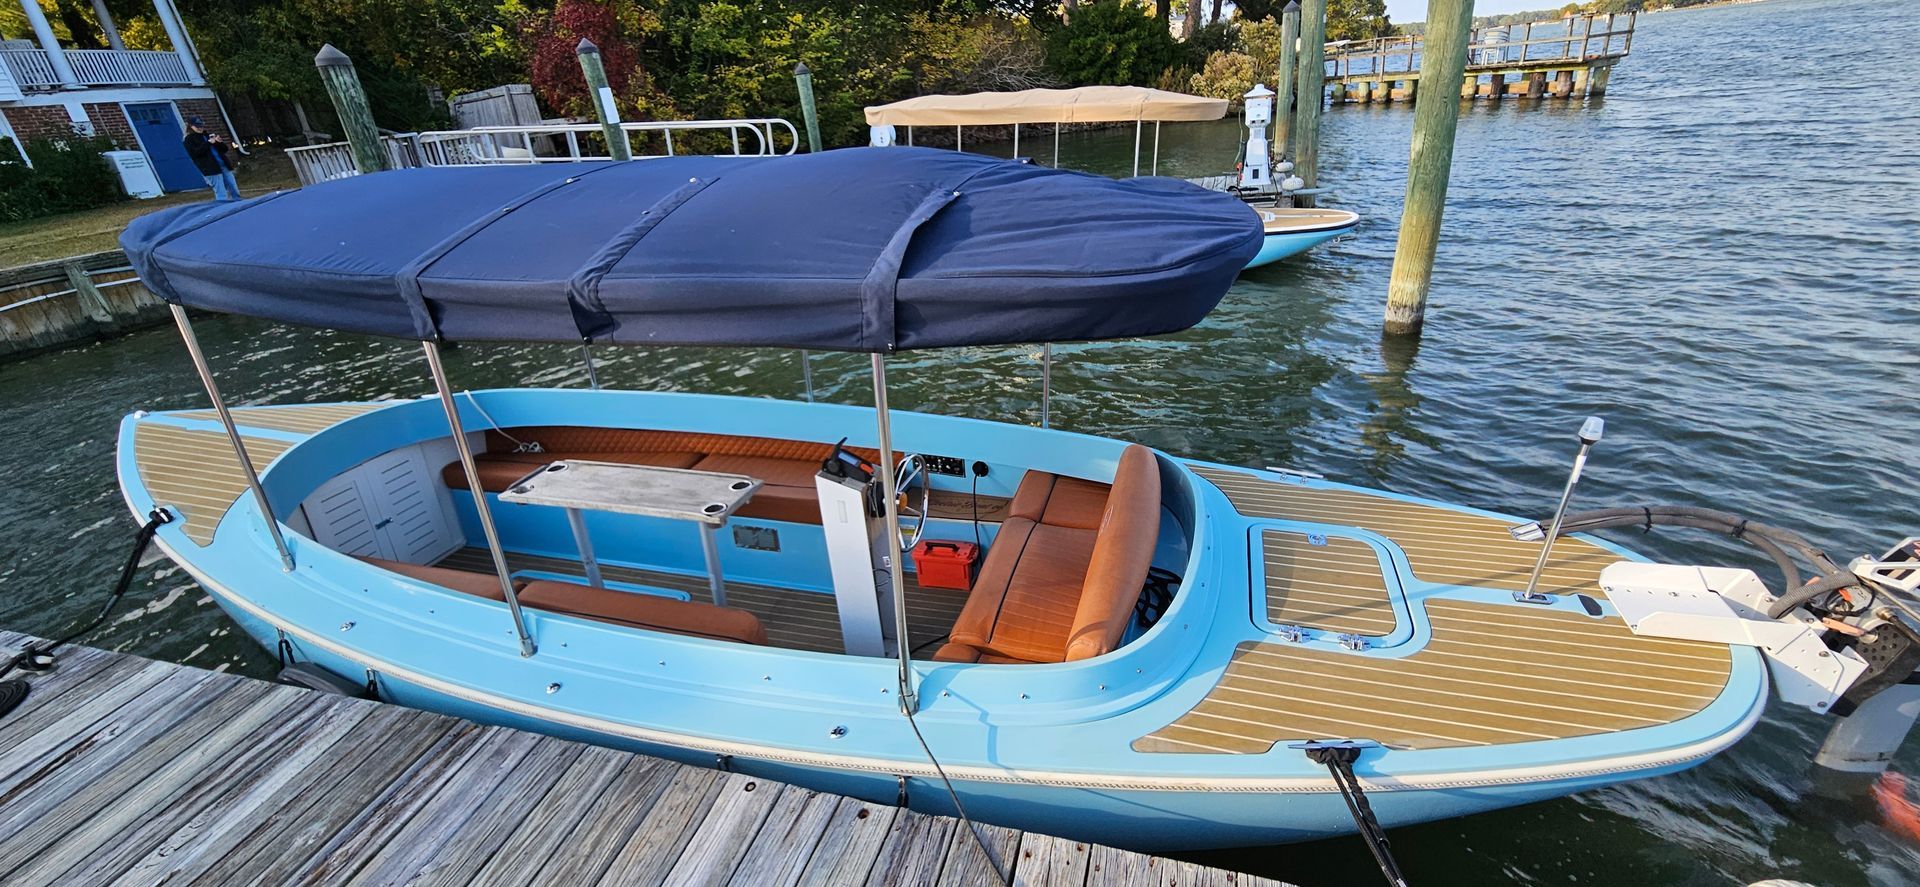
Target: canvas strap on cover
<point x="408" y="278"/>
<point x="878" y="291"/>
<point x="583" y="289"/>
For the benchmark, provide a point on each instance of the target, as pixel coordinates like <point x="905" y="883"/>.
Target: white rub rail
<point x="543" y="143"/>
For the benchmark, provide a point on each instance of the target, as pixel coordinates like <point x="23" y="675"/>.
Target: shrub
<point x="68" y="174"/>
<point x="1111" y="42"/>
<point x="1226" y="75"/>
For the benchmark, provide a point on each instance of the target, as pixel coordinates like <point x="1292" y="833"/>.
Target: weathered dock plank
<point x="121" y="770"/>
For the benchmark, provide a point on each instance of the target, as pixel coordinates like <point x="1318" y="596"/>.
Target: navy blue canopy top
<point x="869" y="249"/>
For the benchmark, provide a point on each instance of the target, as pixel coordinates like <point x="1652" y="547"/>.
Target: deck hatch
<point x="1322" y="581"/>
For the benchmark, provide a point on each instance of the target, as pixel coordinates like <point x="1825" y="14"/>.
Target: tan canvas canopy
<point x="1087" y="104"/>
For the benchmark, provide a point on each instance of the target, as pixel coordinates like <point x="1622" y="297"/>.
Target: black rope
<point x="1339" y="760"/>
<point x="1648" y="510"/>
<point x="976" y="513"/>
<point x="41" y="658"/>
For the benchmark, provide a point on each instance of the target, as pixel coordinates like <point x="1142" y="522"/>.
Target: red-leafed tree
<point x="555" y="67"/>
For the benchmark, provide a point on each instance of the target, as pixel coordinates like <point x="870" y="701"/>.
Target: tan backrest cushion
<point x="1122" y="554"/>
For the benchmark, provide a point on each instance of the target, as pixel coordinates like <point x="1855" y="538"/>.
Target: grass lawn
<point x="93" y="230"/>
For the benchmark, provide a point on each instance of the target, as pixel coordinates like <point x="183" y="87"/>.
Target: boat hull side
<point x="1280" y="246"/>
<point x="1148" y="820"/>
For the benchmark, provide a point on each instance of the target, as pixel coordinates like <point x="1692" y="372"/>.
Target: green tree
<point x="1113" y="42"/>
<point x="1357" y="19"/>
<point x="399" y="48"/>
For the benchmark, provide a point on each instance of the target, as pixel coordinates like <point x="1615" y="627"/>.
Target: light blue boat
<point x="1291" y="231"/>
<point x="1136" y="658"/>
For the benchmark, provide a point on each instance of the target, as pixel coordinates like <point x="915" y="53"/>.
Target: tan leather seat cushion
<point x="1122" y="555"/>
<point x="484" y="585"/>
<point x="1060" y="501"/>
<point x="1022" y="607"/>
<point x="645" y="611"/>
<point x="1062" y="577"/>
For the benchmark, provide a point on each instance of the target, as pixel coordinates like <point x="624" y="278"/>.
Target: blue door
<point x="160" y="135"/>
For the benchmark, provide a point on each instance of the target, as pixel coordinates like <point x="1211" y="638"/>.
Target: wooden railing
<point x="1575" y="39"/>
<point x="32" y="69"/>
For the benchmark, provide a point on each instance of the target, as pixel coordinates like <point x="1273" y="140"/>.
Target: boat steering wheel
<point x="909" y="479"/>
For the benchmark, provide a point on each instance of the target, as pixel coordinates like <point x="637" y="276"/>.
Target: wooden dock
<point x="124" y="770"/>
<point x="1569" y="58"/>
<point x="50" y="305"/>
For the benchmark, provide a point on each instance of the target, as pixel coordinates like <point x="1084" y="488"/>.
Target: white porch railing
<point x="334" y="160"/>
<point x="32" y="69"/>
<point x="561" y="143"/>
<point x="132" y="67"/>
<point x="557" y="143"/>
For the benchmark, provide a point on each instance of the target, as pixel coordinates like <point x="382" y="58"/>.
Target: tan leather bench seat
<point x="645" y="611"/>
<point x="600" y="604"/>
<point x="785" y="468"/>
<point x="1061" y="579"/>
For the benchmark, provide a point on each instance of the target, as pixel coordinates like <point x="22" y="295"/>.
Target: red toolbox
<point x="943" y="564"/>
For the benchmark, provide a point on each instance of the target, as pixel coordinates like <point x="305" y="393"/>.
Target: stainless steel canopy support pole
<point x="902" y="643"/>
<point x="1056" y="146"/>
<point x="586" y="354"/>
<point x="1046" y="384"/>
<point x="1136" y="148"/>
<point x="233" y="435"/>
<point x="1156" y="147"/>
<point x="479" y="496"/>
<point x="1590" y="432"/>
<point x="1016" y="141"/>
<point x="806" y="372"/>
<point x="956" y="138"/>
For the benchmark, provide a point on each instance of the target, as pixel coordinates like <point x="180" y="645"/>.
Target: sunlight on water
<point x="1719" y="258"/>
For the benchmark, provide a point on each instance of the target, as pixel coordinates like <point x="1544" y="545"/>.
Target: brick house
<point x="138" y="98"/>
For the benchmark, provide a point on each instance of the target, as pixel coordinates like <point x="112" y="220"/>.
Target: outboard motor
<point x="1846" y="643"/>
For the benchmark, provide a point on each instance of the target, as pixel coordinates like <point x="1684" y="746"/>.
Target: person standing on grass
<point x="209" y="153"/>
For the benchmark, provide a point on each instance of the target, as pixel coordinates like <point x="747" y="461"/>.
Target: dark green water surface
<point x="1722" y="257"/>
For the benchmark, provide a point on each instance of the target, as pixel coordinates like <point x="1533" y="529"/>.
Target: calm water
<point x="1720" y="258"/>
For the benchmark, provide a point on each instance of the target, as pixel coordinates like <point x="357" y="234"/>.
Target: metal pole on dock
<point x="803" y="80"/>
<point x="603" y="104"/>
<point x="1310" y="95"/>
<point x="350" y="103"/>
<point x="1283" y="86"/>
<point x="1445" y="60"/>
